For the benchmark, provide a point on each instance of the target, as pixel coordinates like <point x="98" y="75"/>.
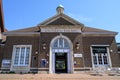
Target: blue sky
<point x="103" y="14"/>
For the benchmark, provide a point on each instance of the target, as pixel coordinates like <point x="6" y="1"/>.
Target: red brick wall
<point x="36" y="42"/>
<point x="87" y="41"/>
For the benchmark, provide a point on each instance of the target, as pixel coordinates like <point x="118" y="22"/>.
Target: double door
<point x="60" y="62"/>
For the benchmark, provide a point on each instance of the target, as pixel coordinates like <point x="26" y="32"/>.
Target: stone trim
<point x="70" y="55"/>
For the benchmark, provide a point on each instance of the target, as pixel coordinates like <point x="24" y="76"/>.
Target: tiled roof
<point x="91" y="29"/>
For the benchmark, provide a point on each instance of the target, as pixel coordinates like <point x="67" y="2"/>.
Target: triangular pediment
<point x="60" y="19"/>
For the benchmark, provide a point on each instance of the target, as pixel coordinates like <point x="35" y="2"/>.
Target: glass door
<point x="61" y="62"/>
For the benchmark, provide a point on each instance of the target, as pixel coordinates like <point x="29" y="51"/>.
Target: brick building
<point x="60" y="44"/>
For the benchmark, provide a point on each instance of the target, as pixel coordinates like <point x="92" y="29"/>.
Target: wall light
<point x="44" y="45"/>
<point x="36" y="52"/>
<point x="77" y="45"/>
<point x="111" y="50"/>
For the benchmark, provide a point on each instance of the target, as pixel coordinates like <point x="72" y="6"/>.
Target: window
<point x="21" y="55"/>
<point x="95" y="58"/>
<point x="61" y="43"/>
<point x="100" y="56"/>
<point x="118" y="47"/>
<point x="105" y="59"/>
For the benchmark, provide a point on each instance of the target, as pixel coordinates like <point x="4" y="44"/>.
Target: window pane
<point x="16" y="55"/>
<point x="99" y="50"/>
<point x="66" y="45"/>
<point x="22" y="55"/>
<point x="56" y="44"/>
<point x="60" y="43"/>
<point x="100" y="58"/>
<point x="95" y="59"/>
<point x="100" y="55"/>
<point x="105" y="58"/>
<point x="27" y="56"/>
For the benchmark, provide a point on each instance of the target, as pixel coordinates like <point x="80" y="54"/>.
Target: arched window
<point x="60" y="43"/>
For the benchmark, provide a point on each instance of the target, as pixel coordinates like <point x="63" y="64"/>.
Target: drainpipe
<point x="82" y="48"/>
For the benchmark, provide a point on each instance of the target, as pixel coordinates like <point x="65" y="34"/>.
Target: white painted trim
<point x="21" y="33"/>
<point x="96" y="33"/>
<point x="92" y="56"/>
<point x="109" y="58"/>
<point x="108" y="53"/>
<point x="55" y="17"/>
<point x="48" y="20"/>
<point x="61" y="30"/>
<point x="100" y="45"/>
<point x="13" y="56"/>
<point x="52" y="55"/>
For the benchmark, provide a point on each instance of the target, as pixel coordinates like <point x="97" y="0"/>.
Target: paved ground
<point x="56" y="77"/>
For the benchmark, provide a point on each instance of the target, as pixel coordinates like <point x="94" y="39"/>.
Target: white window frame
<point x="102" y="63"/>
<point x="108" y="54"/>
<point x="63" y="44"/>
<point x="14" y="52"/>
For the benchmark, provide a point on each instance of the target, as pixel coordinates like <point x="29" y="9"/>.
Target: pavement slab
<point x="82" y="76"/>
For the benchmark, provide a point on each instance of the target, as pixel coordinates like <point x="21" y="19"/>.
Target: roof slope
<point x="57" y="19"/>
<point x="63" y="21"/>
<point x="85" y="29"/>
<point x="30" y="29"/>
<point x="91" y="29"/>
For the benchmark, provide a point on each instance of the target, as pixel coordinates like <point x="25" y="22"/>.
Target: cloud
<point x="80" y="18"/>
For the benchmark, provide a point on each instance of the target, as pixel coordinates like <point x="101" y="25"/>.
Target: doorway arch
<point x="61" y="45"/>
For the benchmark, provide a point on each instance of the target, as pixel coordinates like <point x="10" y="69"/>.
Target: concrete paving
<point x="81" y="76"/>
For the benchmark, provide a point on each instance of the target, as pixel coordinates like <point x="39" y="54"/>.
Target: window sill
<point x="20" y="65"/>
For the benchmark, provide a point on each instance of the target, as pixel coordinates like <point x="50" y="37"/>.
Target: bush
<point x="29" y="72"/>
<point x="11" y="72"/>
<point x="1" y="72"/>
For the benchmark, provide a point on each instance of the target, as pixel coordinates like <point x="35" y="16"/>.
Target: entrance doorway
<point x="61" y="59"/>
<point x="60" y="62"/>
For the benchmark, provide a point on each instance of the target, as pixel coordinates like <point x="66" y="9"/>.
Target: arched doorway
<point x="61" y="59"/>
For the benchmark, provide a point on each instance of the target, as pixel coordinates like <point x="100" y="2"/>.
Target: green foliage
<point x="11" y="72"/>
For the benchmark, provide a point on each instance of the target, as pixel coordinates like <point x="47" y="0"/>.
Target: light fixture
<point x="36" y="52"/>
<point x="111" y="50"/>
<point x="77" y="45"/>
<point x="47" y="54"/>
<point x="44" y="45"/>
